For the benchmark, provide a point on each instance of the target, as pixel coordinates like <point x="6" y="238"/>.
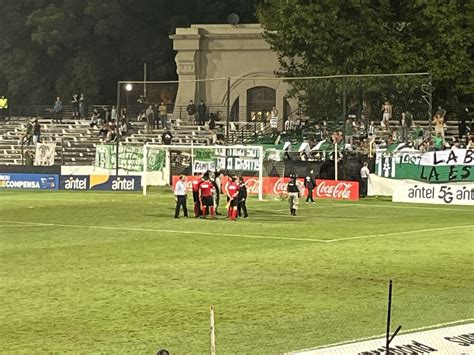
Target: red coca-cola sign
<point x="338" y="190"/>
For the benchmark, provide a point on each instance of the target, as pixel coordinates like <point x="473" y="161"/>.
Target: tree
<point x="329" y="37"/>
<point x="59" y="47"/>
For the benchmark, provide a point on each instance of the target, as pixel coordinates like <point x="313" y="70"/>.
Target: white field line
<point x="31" y="224"/>
<point x="399" y="233"/>
<point x="428" y="327"/>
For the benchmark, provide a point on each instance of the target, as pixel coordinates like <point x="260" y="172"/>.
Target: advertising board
<point x="29" y="181"/>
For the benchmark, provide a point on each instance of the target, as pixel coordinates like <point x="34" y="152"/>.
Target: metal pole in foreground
<point x="116" y="123"/>
<point x="228" y="113"/>
<point x="336" y="167"/>
<point x="389" y="311"/>
<point x="213" y="333"/>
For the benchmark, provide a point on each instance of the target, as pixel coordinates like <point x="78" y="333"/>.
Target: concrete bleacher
<point x="76" y="140"/>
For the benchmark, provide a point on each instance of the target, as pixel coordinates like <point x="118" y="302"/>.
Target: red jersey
<point x="206" y="188"/>
<point x="196" y="185"/>
<point x="233" y="190"/>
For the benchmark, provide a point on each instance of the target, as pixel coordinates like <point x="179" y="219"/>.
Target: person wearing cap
<point x="180" y="196"/>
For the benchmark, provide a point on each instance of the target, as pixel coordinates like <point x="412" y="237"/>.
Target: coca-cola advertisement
<point x="337" y="190"/>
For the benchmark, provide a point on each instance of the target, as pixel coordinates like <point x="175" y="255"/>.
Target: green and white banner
<point x="442" y="166"/>
<point x="130" y="158"/>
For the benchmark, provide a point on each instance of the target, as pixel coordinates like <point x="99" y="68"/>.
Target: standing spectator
<point x="163" y="115"/>
<point x="463" y="118"/>
<point x="438" y="121"/>
<point x="27" y="138"/>
<point x="3" y="106"/>
<point x="440" y="111"/>
<point x="75" y="106"/>
<point x="166" y="137"/>
<point x="82" y="107"/>
<point x="180" y="197"/>
<point x="201" y="113"/>
<point x="309" y="184"/>
<point x="274" y="122"/>
<point x="150" y="119"/>
<point x="372" y="130"/>
<point x="36" y="132"/>
<point x="29" y="158"/>
<point x="220" y="134"/>
<point x="364" y="178"/>
<point x="113" y="114"/>
<point x="349" y="132"/>
<point x="212" y="129"/>
<point x="58" y="110"/>
<point x="386" y="114"/>
<point x="404" y="126"/>
<point x="242" y="196"/>
<point x="191" y="110"/>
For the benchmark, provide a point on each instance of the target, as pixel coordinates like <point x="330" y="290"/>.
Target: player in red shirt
<point x="233" y="193"/>
<point x="197" y="204"/>
<point x="206" y="189"/>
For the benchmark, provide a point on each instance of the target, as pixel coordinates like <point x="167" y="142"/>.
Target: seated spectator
<point x="220" y="135"/>
<point x="95" y="118"/>
<point x="123" y="128"/>
<point x="166" y="137"/>
<point x="104" y="129"/>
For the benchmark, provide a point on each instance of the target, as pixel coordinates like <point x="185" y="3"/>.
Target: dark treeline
<point x="60" y="47"/>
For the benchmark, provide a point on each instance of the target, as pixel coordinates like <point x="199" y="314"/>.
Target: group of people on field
<point x="206" y="189"/>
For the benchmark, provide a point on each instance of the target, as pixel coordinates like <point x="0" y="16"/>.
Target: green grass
<point x="146" y="280"/>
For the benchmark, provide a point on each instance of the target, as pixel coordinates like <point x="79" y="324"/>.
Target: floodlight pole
<point x="228" y="113"/>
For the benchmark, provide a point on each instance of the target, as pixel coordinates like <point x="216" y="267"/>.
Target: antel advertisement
<point x="100" y="182"/>
<point x="29" y="181"/>
<point x="339" y="190"/>
<point x="439" y="194"/>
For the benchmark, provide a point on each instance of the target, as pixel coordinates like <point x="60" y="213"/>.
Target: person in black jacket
<point x="293" y="194"/>
<point x="309" y="184"/>
<point x="242" y="198"/>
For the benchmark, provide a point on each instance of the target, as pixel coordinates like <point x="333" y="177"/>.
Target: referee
<point x="180" y="196"/>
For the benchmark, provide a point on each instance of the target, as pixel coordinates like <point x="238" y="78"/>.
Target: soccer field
<point x="114" y="272"/>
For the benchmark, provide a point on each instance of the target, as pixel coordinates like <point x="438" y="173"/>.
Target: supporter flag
<point x="386" y="166"/>
<point x="45" y="153"/>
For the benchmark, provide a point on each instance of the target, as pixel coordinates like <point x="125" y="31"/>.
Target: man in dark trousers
<point x="293" y="194"/>
<point x="201" y="112"/>
<point x="180" y="196"/>
<point x="196" y="200"/>
<point x="309" y="184"/>
<point x="242" y="206"/>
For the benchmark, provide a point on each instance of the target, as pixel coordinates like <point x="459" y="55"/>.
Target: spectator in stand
<point x="124" y="115"/>
<point x="372" y="130"/>
<point x="36" y="132"/>
<point x="58" y="110"/>
<point x="463" y="118"/>
<point x="157" y="116"/>
<point x="166" y="137"/>
<point x="386" y="114"/>
<point x="220" y="135"/>
<point x="123" y="128"/>
<point x="364" y="179"/>
<point x="75" y="106"/>
<point x="212" y="129"/>
<point x="349" y="132"/>
<point x="29" y="158"/>
<point x="3" y="106"/>
<point x="95" y="118"/>
<point x="141" y="116"/>
<point x="201" y="113"/>
<point x="404" y="127"/>
<point x="417" y="135"/>
<point x="440" y="111"/>
<point x="112" y="133"/>
<point x="163" y="109"/>
<point x="191" y="110"/>
<point x="438" y="142"/>
<point x="104" y="130"/>
<point x="274" y="122"/>
<point x="107" y="114"/>
<point x="113" y="114"/>
<point x="150" y="119"/>
<point x="438" y="121"/>
<point x="28" y="137"/>
<point x="82" y="107"/>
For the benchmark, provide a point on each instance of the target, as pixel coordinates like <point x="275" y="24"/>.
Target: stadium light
<point x="129" y="87"/>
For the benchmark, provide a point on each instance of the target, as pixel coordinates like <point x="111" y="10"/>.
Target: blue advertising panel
<point x="29" y="181"/>
<point x="100" y="182"/>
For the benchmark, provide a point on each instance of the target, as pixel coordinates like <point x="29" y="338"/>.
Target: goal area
<point x="165" y="163"/>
